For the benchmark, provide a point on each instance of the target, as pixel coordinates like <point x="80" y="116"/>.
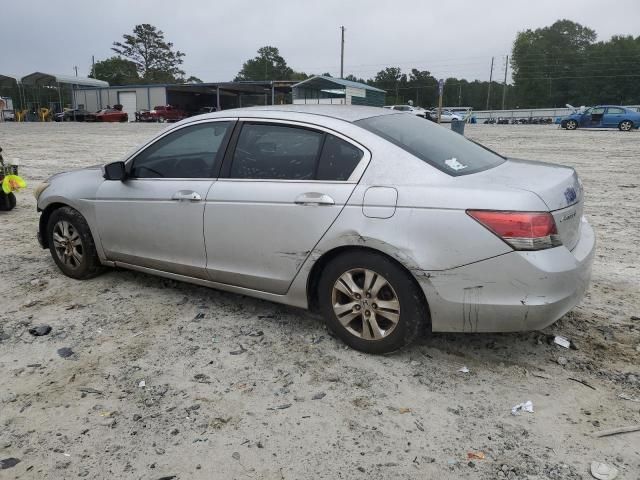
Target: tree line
<point x="551" y="66"/>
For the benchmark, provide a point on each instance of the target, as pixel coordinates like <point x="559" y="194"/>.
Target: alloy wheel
<point x="365" y="304"/>
<point x="68" y="244"/>
<point x="625" y="126"/>
<point x="571" y="125"/>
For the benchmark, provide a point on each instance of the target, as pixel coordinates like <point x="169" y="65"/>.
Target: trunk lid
<point x="556" y="185"/>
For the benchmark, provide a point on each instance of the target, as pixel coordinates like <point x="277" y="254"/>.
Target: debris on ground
<point x="65" y="352"/>
<point x="40" y="330"/>
<point x="8" y="463"/>
<point x="602" y="471"/>
<point x="624" y="396"/>
<point x="319" y="396"/>
<point x="562" y="341"/>
<point x="617" y="431"/>
<point x="475" y="456"/>
<point x="522" y="407"/>
<point x="582" y="382"/>
<point x="464" y="370"/>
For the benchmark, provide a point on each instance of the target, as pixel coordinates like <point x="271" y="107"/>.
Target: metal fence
<point x="553" y="113"/>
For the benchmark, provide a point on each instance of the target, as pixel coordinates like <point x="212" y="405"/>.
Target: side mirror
<point x="114" y="171"/>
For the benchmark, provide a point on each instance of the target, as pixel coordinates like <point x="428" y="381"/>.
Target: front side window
<point x="597" y="111"/>
<point x="446" y="150"/>
<point x="190" y="152"/>
<point x="278" y="152"/>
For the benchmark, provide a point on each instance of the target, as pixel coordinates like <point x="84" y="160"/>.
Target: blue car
<point x="603" y="116"/>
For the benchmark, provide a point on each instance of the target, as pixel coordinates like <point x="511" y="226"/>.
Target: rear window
<point x="438" y="146"/>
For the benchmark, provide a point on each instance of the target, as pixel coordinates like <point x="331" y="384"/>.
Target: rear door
<point x="613" y="116"/>
<point x="154" y="218"/>
<point x="282" y="186"/>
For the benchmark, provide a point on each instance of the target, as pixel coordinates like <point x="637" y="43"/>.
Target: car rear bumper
<point x="516" y="291"/>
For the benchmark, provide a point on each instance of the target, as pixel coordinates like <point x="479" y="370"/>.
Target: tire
<point x="625" y="126"/>
<point x="399" y="322"/>
<point x="7" y="201"/>
<point x="571" y="125"/>
<point x="69" y="225"/>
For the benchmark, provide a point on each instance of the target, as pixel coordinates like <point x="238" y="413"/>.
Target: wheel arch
<point x="317" y="268"/>
<point x="44" y="220"/>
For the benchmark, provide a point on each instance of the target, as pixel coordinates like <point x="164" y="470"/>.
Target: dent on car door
<point x="155" y="217"/>
<point x="281" y="188"/>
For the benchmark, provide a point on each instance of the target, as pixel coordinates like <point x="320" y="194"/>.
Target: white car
<point x="447" y="116"/>
<point x="421" y="112"/>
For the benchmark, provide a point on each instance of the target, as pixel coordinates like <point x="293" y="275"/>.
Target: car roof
<point x="349" y="113"/>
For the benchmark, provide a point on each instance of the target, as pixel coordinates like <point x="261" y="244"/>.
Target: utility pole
<point x="76" y="69"/>
<point x="504" y="85"/>
<point x="490" y="80"/>
<point x="342" y="53"/>
<point x="93" y="64"/>
<point x="460" y="94"/>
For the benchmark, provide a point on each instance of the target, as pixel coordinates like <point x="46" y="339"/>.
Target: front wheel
<point x="370" y="302"/>
<point x="71" y="244"/>
<point x="571" y="125"/>
<point x="625" y="126"/>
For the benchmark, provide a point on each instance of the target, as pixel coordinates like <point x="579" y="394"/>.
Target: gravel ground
<point x="170" y="380"/>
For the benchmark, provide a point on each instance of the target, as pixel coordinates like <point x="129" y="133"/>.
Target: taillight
<point x="521" y="230"/>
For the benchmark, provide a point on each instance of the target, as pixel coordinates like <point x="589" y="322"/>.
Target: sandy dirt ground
<point x="234" y="387"/>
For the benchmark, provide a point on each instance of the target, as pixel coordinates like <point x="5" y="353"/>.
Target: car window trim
<point x="217" y="164"/>
<point x="354" y="178"/>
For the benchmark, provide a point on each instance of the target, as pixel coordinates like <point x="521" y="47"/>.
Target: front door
<point x="281" y="188"/>
<point x="154" y="218"/>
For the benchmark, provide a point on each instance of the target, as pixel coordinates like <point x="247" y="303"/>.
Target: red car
<point x="161" y="113"/>
<point x="110" y="115"/>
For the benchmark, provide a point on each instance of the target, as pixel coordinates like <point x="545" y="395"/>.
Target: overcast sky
<point x="448" y="38"/>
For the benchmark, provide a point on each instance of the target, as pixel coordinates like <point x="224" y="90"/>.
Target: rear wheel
<point x="625" y="126"/>
<point x="7" y="201"/>
<point x="571" y="125"/>
<point x="71" y="244"/>
<point x="370" y="302"/>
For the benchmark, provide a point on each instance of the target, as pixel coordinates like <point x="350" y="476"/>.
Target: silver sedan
<point x="382" y="222"/>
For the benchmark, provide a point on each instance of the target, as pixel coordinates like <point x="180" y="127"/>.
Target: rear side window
<point x="615" y="110"/>
<point x="338" y="159"/>
<point x="266" y="151"/>
<point x="436" y="145"/>
<point x="283" y="152"/>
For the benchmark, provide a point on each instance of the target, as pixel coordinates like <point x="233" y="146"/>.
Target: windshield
<point x="438" y="146"/>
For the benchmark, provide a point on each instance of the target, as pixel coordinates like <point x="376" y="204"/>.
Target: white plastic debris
<point x="464" y="370"/>
<point x="454" y="164"/>
<point x="602" y="471"/>
<point x="142" y="384"/>
<point x="562" y="341"/>
<point x="522" y="407"/>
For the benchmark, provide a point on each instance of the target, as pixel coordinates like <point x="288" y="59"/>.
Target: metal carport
<point x="40" y="79"/>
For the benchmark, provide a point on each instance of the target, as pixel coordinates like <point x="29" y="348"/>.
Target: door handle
<point x="314" y="198"/>
<point x="186" y="195"/>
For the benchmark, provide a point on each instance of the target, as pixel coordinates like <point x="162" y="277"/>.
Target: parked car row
<point x="519" y="121"/>
<point x="110" y="114"/>
<point x="446" y="116"/>
<point x="169" y="113"/>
